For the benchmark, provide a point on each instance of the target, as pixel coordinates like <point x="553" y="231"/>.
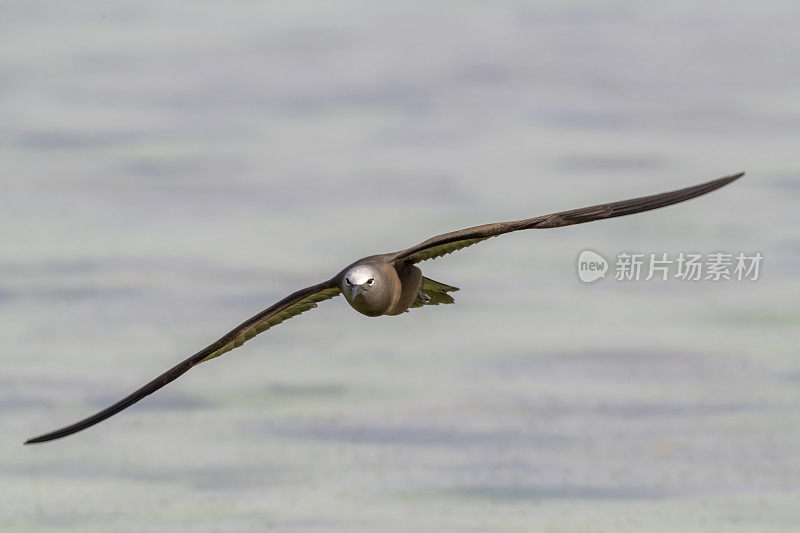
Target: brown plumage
<point x="389" y="284"/>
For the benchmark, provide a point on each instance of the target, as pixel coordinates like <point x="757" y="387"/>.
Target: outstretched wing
<point x="292" y="305"/>
<point x="455" y="240"/>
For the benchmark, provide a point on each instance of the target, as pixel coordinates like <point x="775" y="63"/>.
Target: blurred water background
<point x="169" y="169"/>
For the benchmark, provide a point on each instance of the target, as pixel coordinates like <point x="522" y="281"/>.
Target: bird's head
<point x="366" y="290"/>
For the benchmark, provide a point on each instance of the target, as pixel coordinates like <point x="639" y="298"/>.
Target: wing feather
<point x="294" y="304"/>
<point x="263" y="324"/>
<point x="456" y="240"/>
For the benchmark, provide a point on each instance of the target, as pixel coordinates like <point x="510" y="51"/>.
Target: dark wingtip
<point x="734" y="177"/>
<point x="41" y="438"/>
<point x="719" y="182"/>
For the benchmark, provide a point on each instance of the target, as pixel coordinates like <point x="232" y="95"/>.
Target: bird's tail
<point x="433" y="293"/>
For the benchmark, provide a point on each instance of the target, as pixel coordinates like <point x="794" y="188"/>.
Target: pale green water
<point x="169" y="171"/>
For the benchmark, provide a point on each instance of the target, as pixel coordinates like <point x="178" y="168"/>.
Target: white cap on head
<point x="360" y="275"/>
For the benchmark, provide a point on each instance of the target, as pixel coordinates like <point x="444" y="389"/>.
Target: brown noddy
<point x="388" y="284"/>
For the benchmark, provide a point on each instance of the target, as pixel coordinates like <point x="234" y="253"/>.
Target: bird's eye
<point x="370" y="281"/>
<point x="347" y="281"/>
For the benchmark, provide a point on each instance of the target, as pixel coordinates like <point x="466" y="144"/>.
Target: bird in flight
<point x="388" y="284"/>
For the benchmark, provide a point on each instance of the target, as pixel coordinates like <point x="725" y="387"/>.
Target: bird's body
<point x="376" y="286"/>
<point x="388" y="284"/>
